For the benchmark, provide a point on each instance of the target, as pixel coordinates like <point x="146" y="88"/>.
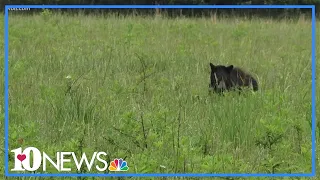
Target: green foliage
<point x="137" y="87"/>
<point x="178" y="12"/>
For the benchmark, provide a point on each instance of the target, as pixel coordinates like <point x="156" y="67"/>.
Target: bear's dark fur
<point x="226" y="78"/>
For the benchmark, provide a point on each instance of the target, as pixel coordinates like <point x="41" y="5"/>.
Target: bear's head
<point x="220" y="77"/>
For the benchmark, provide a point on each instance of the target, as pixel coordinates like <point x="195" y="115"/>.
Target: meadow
<point x="137" y="88"/>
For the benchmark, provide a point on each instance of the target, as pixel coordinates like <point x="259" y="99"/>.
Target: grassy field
<point x="137" y="88"/>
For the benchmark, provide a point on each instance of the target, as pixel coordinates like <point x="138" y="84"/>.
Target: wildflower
<point x="68" y="77"/>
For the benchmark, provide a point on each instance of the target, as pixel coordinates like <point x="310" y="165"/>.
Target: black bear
<point x="226" y="78"/>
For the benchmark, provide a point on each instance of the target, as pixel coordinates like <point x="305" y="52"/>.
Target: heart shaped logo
<point x="21" y="157"/>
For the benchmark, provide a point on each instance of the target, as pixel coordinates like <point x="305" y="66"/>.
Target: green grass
<point x="137" y="87"/>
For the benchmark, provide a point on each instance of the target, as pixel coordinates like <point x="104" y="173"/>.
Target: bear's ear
<point x="229" y="68"/>
<point x="212" y="66"/>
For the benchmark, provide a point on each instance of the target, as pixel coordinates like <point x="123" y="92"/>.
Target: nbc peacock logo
<point x="118" y="165"/>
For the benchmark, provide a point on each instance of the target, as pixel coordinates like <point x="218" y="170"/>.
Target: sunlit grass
<point x="137" y="87"/>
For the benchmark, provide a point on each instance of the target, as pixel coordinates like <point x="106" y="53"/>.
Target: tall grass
<point x="137" y="87"/>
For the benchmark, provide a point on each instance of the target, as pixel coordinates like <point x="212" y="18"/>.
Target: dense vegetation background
<point x="186" y="12"/>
